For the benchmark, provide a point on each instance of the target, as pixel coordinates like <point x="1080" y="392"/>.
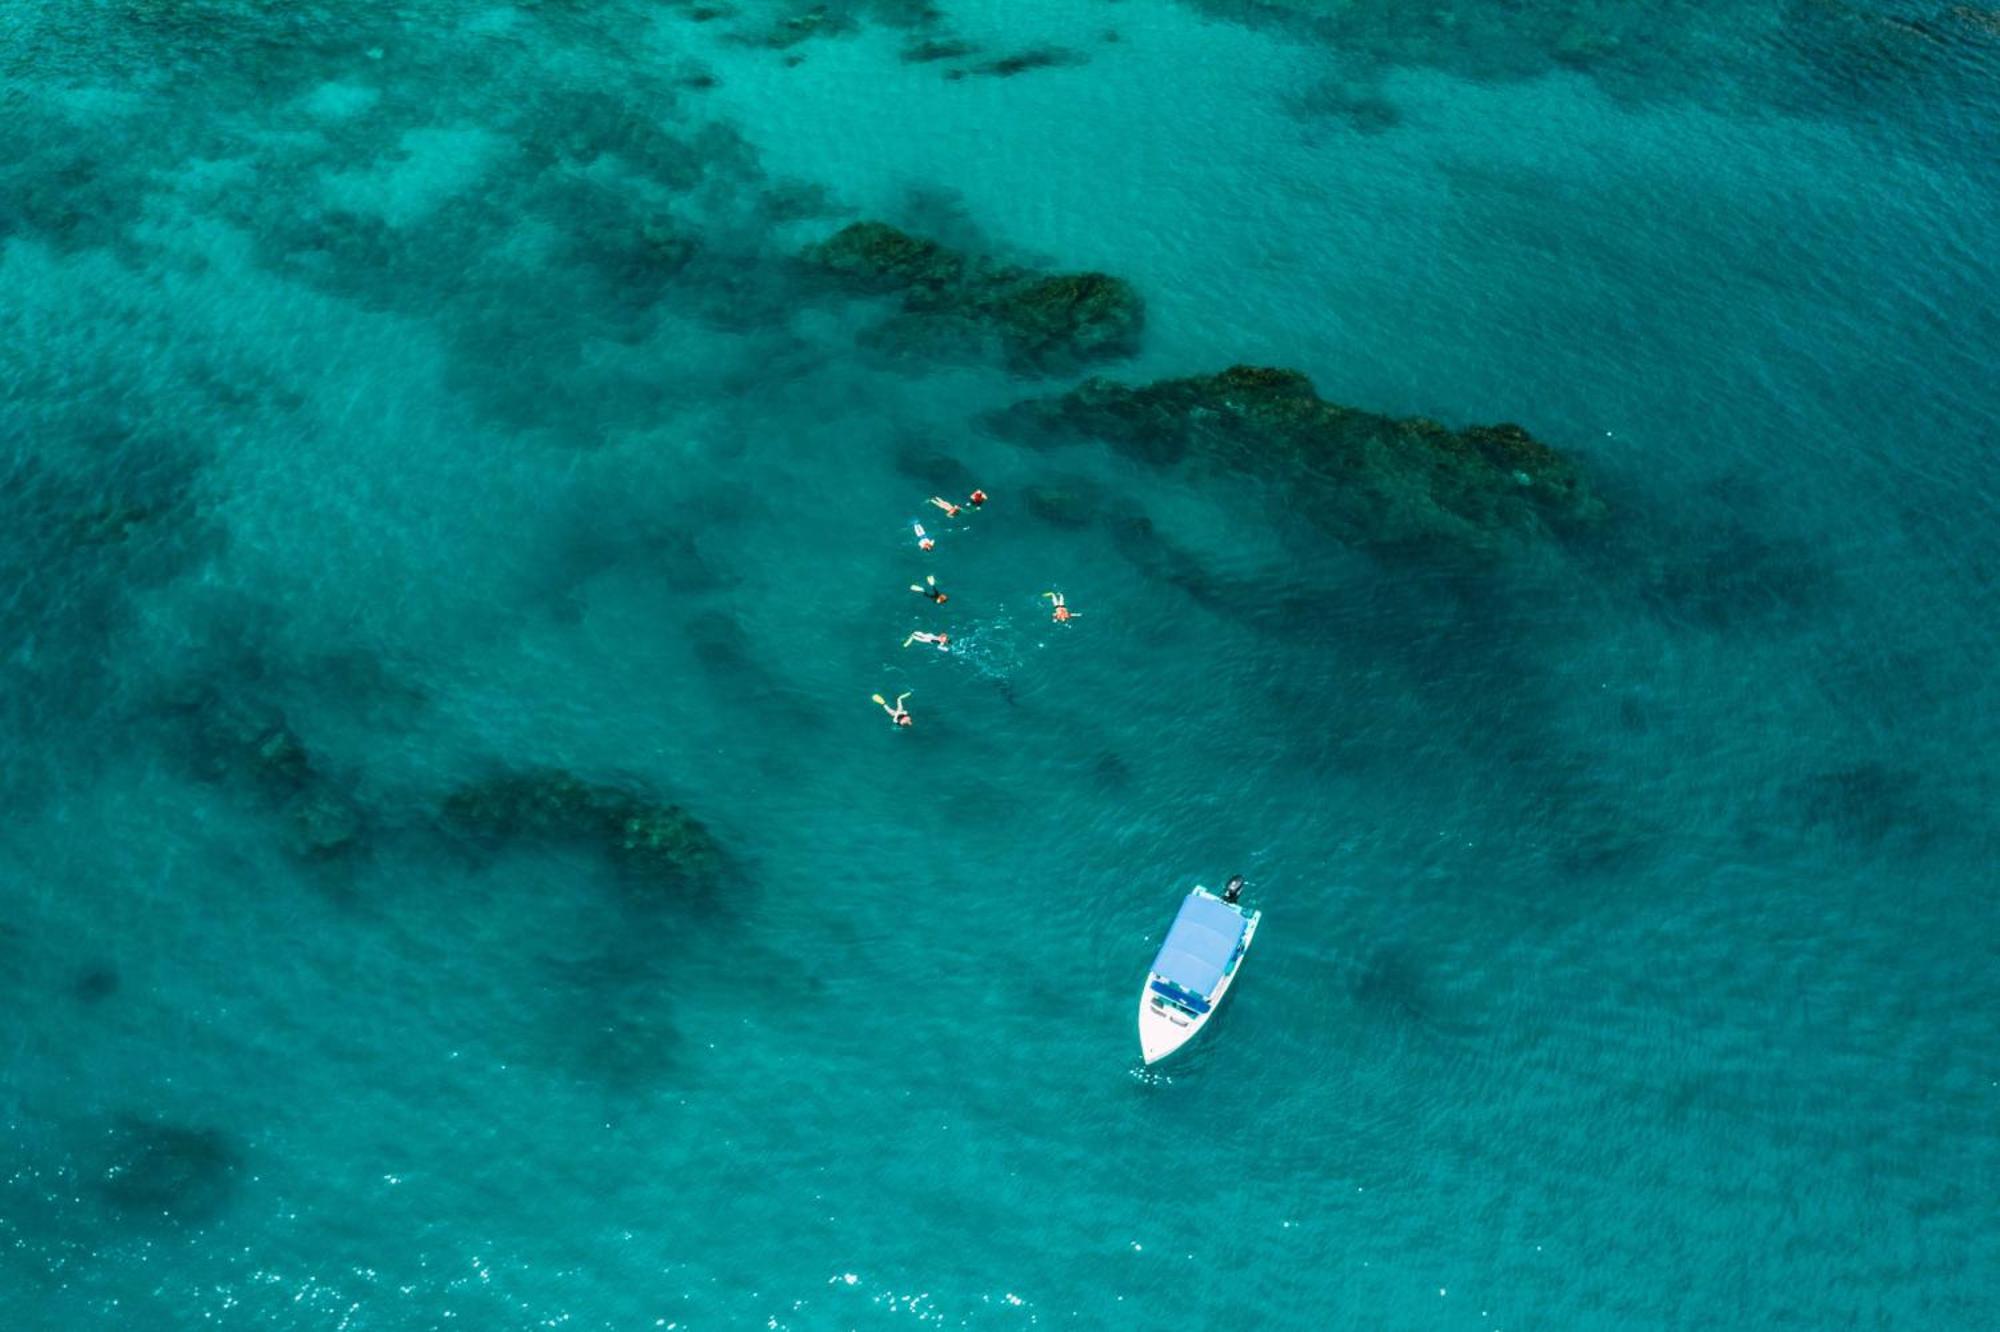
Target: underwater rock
<point x="1978" y="19"/>
<point x="662" y="842"/>
<point x="1112" y="772"/>
<point x="1044" y="321"/>
<point x="1579" y="45"/>
<point x="935" y="469"/>
<point x="93" y="985"/>
<point x="1868" y="804"/>
<point x="1392" y="983"/>
<point x="1071" y="504"/>
<point x="1041" y="57"/>
<point x="1153" y="555"/>
<point x="1360" y="105"/>
<point x="324" y="825"/>
<point x="578" y="128"/>
<point x="662" y="247"/>
<point x="168" y="1172"/>
<point x="792" y="29"/>
<point x="1371" y="481"/>
<point x="796" y="200"/>
<point x="1725" y="576"/>
<point x="937" y="48"/>
<point x="254" y="747"/>
<point x="1076" y="316"/>
<point x="232" y="738"/>
<point x="655" y="842"/>
<point x="879" y="257"/>
<point x="278" y="758"/>
<point x="904" y="13"/>
<point x="111" y="522"/>
<point x="725" y="649"/>
<point x="98" y="513"/>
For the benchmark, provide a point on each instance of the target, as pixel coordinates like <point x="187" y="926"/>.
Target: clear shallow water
<point x="1629" y="955"/>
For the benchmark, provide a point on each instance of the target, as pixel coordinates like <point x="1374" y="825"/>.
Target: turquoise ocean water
<point x="396" y="396"/>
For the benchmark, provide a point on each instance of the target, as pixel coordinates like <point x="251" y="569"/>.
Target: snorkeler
<point x="942" y="642"/>
<point x="924" y="541"/>
<point x="1063" y="614"/>
<point x="977" y="499"/>
<point x="950" y="509"/>
<point x="930" y="589"/>
<point x="1233" y="890"/>
<point x="898" y="714"/>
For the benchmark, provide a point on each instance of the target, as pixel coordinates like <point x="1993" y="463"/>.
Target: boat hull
<point x="1165" y="1026"/>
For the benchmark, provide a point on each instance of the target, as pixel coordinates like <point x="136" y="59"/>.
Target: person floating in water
<point x="977" y="499"/>
<point x="1233" y="890"/>
<point x="930" y="589"/>
<point x="924" y="541"/>
<point x="1063" y="614"/>
<point x="898" y="714"/>
<point x="950" y="509"/>
<point x="942" y="642"/>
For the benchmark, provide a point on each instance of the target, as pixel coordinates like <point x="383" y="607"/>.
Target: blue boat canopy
<point x="1200" y="944"/>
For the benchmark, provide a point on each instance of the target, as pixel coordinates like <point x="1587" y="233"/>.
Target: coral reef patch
<point x="1040" y="57"/>
<point x="1044" y="322"/>
<point x="1373" y="481"/>
<point x="652" y="842"/>
<point x="238" y="742"/>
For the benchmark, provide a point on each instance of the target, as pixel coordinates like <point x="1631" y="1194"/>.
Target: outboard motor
<point x="1233" y="890"/>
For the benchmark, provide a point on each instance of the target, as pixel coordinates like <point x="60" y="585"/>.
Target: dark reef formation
<point x="789" y="30"/>
<point x="168" y="1172"/>
<point x="1045" y="322"/>
<point x="1362" y="107"/>
<point x="1369" y="480"/>
<point x="1843" y="57"/>
<point x="937" y="48"/>
<point x="95" y="984"/>
<point x="1072" y="502"/>
<point x="1869" y="805"/>
<point x="253" y="747"/>
<point x="795" y="23"/>
<point x="98" y="515"/>
<point x="654" y="843"/>
<point x="1040" y="57"/>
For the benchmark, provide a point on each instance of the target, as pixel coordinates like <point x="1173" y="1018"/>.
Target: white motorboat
<point x="1194" y="969"/>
